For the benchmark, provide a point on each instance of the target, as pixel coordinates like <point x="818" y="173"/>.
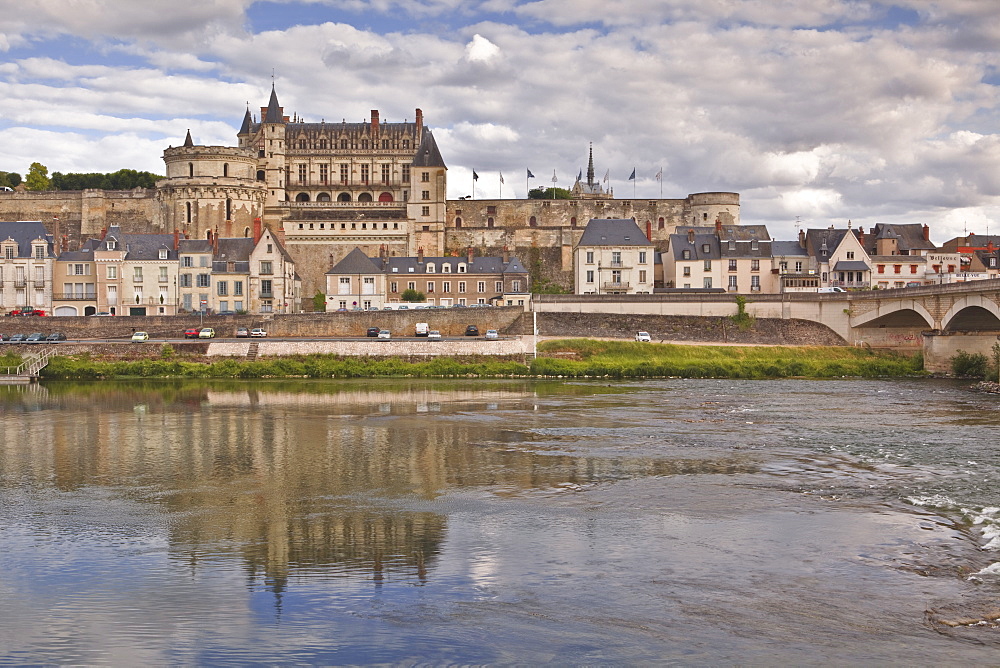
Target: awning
<point x="851" y="265"/>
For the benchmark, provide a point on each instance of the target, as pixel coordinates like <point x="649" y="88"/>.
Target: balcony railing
<point x="612" y="285"/>
<point x="74" y="296"/>
<point x="266" y="295"/>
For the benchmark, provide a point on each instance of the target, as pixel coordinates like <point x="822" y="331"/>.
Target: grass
<point x="559" y="358"/>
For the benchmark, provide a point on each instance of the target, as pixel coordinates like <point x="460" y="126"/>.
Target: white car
<point x="492" y="334"/>
<point x="384" y="334"/>
<point x="434" y="335"/>
<point x="257" y="333"/>
<point x="643" y="336"/>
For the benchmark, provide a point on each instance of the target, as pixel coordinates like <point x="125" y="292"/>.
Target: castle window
<point x="364" y="144"/>
<point x="343" y="143"/>
<point x="190" y="169"/>
<point x="225" y="169"/>
<point x="406" y="173"/>
<point x="188" y="206"/>
<point x="229" y="208"/>
<point x="572" y="221"/>
<point x="406" y="144"/>
<point x="533" y="222"/>
<point x="323" y="197"/>
<point x="385" y="144"/>
<point x="385" y="173"/>
<point x="364" y="173"/>
<point x="324" y="173"/>
<point x="365" y="197"/>
<point x="343" y="172"/>
<point x="302" y="173"/>
<point x="458" y="222"/>
<point x="322" y="144"/>
<point x="425" y="211"/>
<point x="425" y="194"/>
<point x="425" y="177"/>
<point x="659" y="224"/>
<point x="344" y="197"/>
<point x="302" y="144"/>
<point x="260" y="175"/>
<point x="302" y="197"/>
<point x="489" y="222"/>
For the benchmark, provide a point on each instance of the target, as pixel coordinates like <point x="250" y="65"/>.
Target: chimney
<point x="506" y="255"/>
<point x="420" y="119"/>
<point x="257" y="230"/>
<point x="690" y="236"/>
<point x="215" y="241"/>
<point x="210" y="237"/>
<point x="470" y="254"/>
<point x="374" y="123"/>
<point x="420" y="255"/>
<point x="802" y="238"/>
<point x="861" y="236"/>
<point x="718" y="227"/>
<point x="104" y="233"/>
<point x="927" y="232"/>
<point x="649" y="230"/>
<point x="177" y="238"/>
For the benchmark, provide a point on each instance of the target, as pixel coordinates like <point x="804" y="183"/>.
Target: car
<point x="459" y="306"/>
<point x="206" y="333"/>
<point x="384" y="334"/>
<point x="643" y="336"/>
<point x="421" y="329"/>
<point x="831" y="289"/>
<point x="140" y="336"/>
<point x="434" y="335"/>
<point x="37" y="337"/>
<point x="27" y="311"/>
<point x="17" y="338"/>
<point x="4" y="338"/>
<point x="101" y="314"/>
<point x="242" y="333"/>
<point x="472" y="330"/>
<point x="257" y="333"/>
<point x="55" y="337"/>
<point x="225" y="313"/>
<point x="191" y="333"/>
<point x="404" y="307"/>
<point x="341" y="310"/>
<point x="373" y="331"/>
<point x="492" y="334"/>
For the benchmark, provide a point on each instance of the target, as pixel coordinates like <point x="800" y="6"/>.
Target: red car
<point x="191" y="333"/>
<point x="27" y="311"/>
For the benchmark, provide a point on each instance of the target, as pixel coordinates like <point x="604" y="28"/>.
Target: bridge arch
<point x="971" y="313"/>
<point x="896" y="313"/>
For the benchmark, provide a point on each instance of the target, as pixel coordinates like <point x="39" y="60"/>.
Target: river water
<point x="499" y="522"/>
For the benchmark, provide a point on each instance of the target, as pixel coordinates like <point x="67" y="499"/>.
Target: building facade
<point x="26" y="266"/>
<point x="614" y="257"/>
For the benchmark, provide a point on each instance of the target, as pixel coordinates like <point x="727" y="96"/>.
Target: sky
<point x="816" y="111"/>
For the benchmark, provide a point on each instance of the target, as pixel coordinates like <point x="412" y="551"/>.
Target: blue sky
<point x="813" y="110"/>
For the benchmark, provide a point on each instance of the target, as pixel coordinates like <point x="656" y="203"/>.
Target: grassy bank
<point x="575" y="358"/>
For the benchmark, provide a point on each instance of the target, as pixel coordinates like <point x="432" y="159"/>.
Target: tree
<point x="9" y="179"/>
<point x="549" y="193"/>
<point x="38" y="177"/>
<point x="411" y="295"/>
<point x="319" y="302"/>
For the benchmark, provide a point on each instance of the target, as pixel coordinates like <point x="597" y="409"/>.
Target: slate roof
<point x="24" y="232"/>
<point x="974" y="240"/>
<point x="819" y="239"/>
<point x="745" y="232"/>
<point x="680" y="243"/>
<point x="428" y="154"/>
<point x="194" y="246"/>
<point x="909" y="237"/>
<point x="273" y="114"/>
<point x="353" y="263"/>
<point x="613" y="232"/>
<point x="141" y="246"/>
<point x="788" y="249"/>
<point x="236" y="250"/>
<point x="851" y="265"/>
<point x="356" y="262"/>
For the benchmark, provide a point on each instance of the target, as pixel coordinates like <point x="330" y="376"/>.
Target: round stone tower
<point x="210" y="188"/>
<point x="704" y="208"/>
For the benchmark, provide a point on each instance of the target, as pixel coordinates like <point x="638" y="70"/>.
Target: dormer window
<point x="163" y="253"/>
<point x="753" y="244"/>
<point x="39" y="251"/>
<point x="430" y="267"/>
<point x="686" y="254"/>
<point x="461" y="268"/>
<point x="111" y="244"/>
<point x="732" y="244"/>
<point x="706" y="248"/>
<point x="445" y="268"/>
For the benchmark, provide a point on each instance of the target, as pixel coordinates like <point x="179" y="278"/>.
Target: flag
<point x="607" y="174"/>
<point x="475" y="177"/>
<point x="579" y="177"/>
<point x="501" y="178"/>
<point x="530" y="175"/>
<point x="632" y="178"/>
<point x="659" y="174"/>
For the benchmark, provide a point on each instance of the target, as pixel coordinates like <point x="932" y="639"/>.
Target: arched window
<point x="246" y="232"/>
<point x="659" y="224"/>
<point x="458" y="221"/>
<point x="385" y="197"/>
<point x="323" y="197"/>
<point x="365" y="197"/>
<point x="190" y="169"/>
<point x="489" y="222"/>
<point x="572" y="221"/>
<point x="302" y="197"/>
<point x="260" y="175"/>
<point x="344" y="197"/>
<point x="225" y="169"/>
<point x="188" y="205"/>
<point x="532" y="222"/>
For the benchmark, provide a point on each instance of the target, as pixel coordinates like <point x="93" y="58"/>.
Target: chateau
<point x="325" y="188"/>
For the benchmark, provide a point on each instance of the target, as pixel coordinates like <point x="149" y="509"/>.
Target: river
<point x="499" y="522"/>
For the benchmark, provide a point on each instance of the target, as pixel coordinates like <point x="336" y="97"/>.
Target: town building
<point x="26" y="264"/>
<point x="693" y="260"/>
<point x="614" y="257"/>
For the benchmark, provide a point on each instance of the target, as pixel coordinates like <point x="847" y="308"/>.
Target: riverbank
<point x="572" y="358"/>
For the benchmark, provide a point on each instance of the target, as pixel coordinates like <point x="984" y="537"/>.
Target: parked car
<point x="421" y="329"/>
<point x="27" y="311"/>
<point x="384" y="334"/>
<point x="472" y="330"/>
<point x="55" y="337"/>
<point x="434" y="335"/>
<point x="140" y="336"/>
<point x="191" y="333"/>
<point x="4" y="338"/>
<point x="17" y="338"/>
<point x="37" y="337"/>
<point x="492" y="334"/>
<point x="242" y="333"/>
<point x="833" y="289"/>
<point x="643" y="336"/>
<point x="225" y="313"/>
<point x="373" y="331"/>
<point x="257" y="333"/>
<point x="206" y="333"/>
<point x="101" y="314"/>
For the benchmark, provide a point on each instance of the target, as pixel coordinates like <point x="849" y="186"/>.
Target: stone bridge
<point x="937" y="319"/>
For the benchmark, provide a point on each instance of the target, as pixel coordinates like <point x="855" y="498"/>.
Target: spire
<point x="187" y="140"/>
<point x="247" y="120"/>
<point x="590" y="166"/>
<point x="274" y="110"/>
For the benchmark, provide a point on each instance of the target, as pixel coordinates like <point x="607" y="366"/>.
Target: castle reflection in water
<point x="324" y="479"/>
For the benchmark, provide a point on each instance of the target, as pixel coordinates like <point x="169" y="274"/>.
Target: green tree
<point x="9" y="179"/>
<point x="319" y="302"/>
<point x="411" y="295"/>
<point x="549" y="193"/>
<point x="38" y="177"/>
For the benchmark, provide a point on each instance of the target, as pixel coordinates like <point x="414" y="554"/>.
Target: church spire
<point x="590" y="166"/>
<point x="274" y="112"/>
